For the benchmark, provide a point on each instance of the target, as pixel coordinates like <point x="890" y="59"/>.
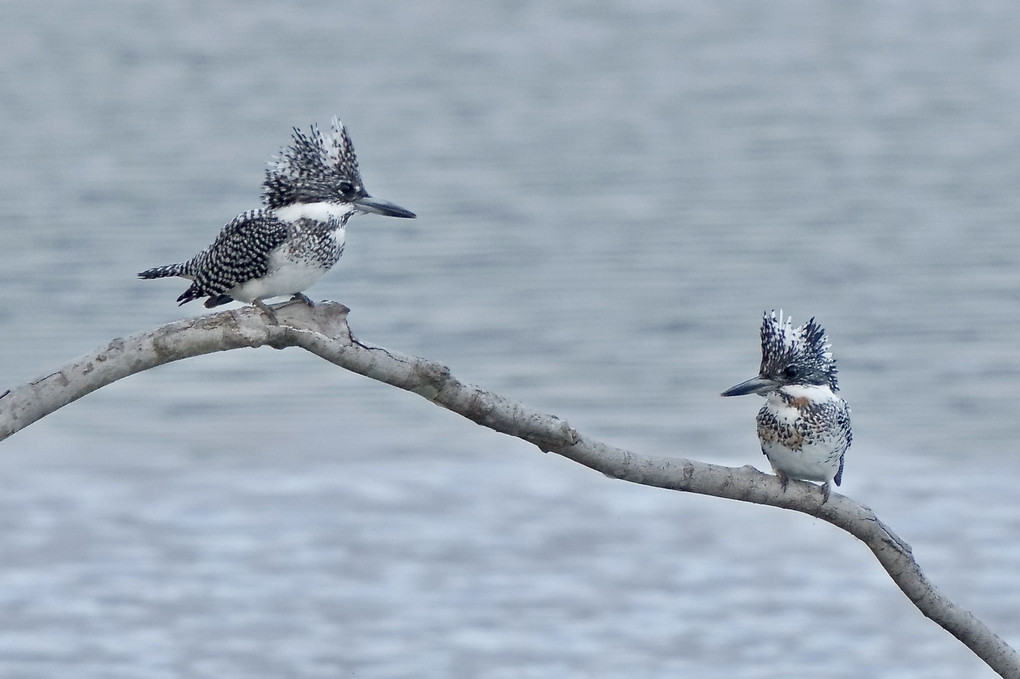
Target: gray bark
<point x="323" y="331"/>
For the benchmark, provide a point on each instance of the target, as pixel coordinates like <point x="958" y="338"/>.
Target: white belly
<point x="813" y="462"/>
<point x="287" y="279"/>
<point x="291" y="270"/>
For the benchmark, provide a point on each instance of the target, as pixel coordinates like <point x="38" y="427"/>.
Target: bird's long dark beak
<point x="755" y="385"/>
<point x="382" y="207"/>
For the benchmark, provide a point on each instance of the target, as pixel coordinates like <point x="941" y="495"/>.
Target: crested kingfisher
<point x="804" y="426"/>
<point x="309" y="193"/>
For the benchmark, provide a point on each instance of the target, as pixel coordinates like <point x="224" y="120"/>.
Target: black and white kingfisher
<point x="309" y="192"/>
<point x="804" y="426"/>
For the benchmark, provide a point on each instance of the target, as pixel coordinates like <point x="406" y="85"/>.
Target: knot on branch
<point x="548" y="432"/>
<point x="560" y="435"/>
<point x="429" y="378"/>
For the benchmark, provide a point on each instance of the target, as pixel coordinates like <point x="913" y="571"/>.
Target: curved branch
<point x="323" y="331"/>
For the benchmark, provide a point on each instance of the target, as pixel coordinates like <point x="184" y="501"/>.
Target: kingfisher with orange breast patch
<point x="804" y="426"/>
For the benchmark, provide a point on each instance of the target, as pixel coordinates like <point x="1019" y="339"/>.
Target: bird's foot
<point x="784" y="480"/>
<point x="302" y="297"/>
<point x="825" y="492"/>
<point x="270" y="314"/>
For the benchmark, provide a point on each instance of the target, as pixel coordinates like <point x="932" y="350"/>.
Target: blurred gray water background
<point x="609" y="195"/>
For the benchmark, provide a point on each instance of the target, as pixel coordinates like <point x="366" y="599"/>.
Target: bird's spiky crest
<point x="806" y="347"/>
<point x="314" y="168"/>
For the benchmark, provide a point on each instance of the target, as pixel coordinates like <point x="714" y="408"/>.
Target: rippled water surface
<point x="609" y="196"/>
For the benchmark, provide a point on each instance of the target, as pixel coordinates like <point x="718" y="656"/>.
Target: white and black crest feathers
<point x="314" y="168"/>
<point x="796" y="355"/>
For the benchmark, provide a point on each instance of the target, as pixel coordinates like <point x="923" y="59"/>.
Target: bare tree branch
<point x="323" y="331"/>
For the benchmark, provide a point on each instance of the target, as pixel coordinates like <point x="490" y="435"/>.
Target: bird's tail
<point x="166" y="271"/>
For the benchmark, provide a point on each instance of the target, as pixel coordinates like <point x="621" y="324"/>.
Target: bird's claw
<point x="270" y="314"/>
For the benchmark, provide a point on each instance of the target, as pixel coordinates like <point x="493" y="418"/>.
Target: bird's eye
<point x="345" y="187"/>
<point x="791" y="372"/>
